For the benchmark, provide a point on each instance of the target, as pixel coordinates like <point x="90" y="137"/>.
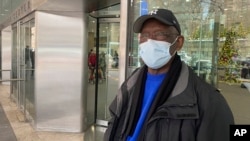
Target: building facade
<point x="46" y="44"/>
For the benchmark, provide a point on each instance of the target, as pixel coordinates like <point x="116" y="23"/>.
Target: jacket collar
<point x="183" y="95"/>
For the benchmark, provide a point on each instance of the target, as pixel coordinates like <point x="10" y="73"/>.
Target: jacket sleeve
<point x="118" y="109"/>
<point x="216" y="119"/>
<point x="108" y="135"/>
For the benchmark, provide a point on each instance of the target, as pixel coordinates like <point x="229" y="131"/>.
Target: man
<point x="164" y="100"/>
<point x="102" y="64"/>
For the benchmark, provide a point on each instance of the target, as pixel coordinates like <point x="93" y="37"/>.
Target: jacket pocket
<point x="166" y="126"/>
<point x="157" y="129"/>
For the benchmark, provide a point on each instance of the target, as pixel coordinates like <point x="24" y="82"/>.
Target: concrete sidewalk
<point x="23" y="130"/>
<point x="239" y="101"/>
<point x="6" y="131"/>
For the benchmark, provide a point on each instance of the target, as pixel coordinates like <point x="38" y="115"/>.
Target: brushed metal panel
<point x="59" y="59"/>
<point x="85" y="83"/>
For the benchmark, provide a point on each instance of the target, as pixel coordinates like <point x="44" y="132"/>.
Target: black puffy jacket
<point x="195" y="111"/>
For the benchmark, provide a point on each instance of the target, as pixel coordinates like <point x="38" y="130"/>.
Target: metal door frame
<point x="111" y="18"/>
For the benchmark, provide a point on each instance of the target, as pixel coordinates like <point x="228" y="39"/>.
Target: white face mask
<point x="155" y="54"/>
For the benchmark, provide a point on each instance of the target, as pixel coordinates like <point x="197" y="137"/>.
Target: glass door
<point x="27" y="66"/>
<point x="103" y="77"/>
<point x="108" y="66"/>
<point x="14" y="64"/>
<point x="23" y="61"/>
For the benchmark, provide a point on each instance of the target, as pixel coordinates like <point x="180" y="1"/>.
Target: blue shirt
<point x="153" y="83"/>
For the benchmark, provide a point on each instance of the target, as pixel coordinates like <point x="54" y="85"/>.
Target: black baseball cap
<point x="163" y="15"/>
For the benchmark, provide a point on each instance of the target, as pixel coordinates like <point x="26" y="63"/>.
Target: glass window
<point x="7" y="7"/>
<point x="234" y="48"/>
<point x="199" y="23"/>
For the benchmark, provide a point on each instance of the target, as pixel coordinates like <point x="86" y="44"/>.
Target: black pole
<point x="96" y="67"/>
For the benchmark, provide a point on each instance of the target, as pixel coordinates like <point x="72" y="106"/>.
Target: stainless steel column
<point x="59" y="71"/>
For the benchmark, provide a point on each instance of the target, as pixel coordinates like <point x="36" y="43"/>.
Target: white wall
<point x="6" y="54"/>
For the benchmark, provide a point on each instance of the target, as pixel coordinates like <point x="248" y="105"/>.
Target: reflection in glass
<point x="199" y="25"/>
<point x="29" y="70"/>
<point x="106" y="69"/>
<point x="14" y="84"/>
<point x="23" y="67"/>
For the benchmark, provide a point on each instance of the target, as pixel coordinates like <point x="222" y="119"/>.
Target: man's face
<point x="154" y="29"/>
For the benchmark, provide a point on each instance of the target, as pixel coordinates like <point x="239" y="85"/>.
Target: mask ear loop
<point x="175" y="40"/>
<point x="173" y="44"/>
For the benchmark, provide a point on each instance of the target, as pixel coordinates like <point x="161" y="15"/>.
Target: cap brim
<point x="140" y="21"/>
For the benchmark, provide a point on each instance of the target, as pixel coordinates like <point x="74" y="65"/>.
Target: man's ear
<point x="179" y="43"/>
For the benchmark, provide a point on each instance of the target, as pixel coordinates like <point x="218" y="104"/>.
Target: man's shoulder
<point x="207" y="94"/>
